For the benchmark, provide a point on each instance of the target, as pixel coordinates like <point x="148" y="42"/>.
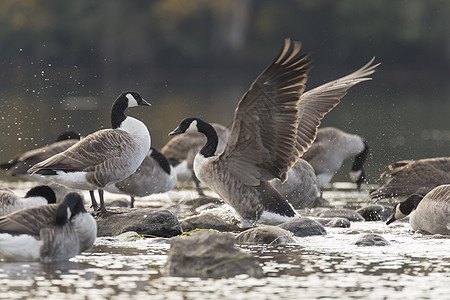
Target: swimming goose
<point x="409" y="177"/>
<point x="48" y="232"/>
<point x="180" y="150"/>
<point x="38" y="195"/>
<point x="430" y="213"/>
<point x="19" y="165"/>
<point x="154" y="175"/>
<point x="328" y="152"/>
<point x="300" y="188"/>
<point x="103" y="157"/>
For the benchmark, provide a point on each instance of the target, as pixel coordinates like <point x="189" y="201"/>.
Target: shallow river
<point x="412" y="266"/>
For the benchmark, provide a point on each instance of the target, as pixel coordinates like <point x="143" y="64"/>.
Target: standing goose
<point x="300" y="188"/>
<point x="272" y="127"/>
<point x="328" y="152"/>
<point x="103" y="157"/>
<point x="38" y="195"/>
<point x="182" y="149"/>
<point x="430" y="213"/>
<point x="19" y="165"/>
<point x="154" y="175"/>
<point x="48" y="232"/>
<point x="413" y="177"/>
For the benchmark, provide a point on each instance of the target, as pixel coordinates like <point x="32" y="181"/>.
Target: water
<point x="329" y="267"/>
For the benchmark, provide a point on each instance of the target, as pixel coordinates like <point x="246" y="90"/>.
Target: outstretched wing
<point x="261" y="145"/>
<point x="316" y="103"/>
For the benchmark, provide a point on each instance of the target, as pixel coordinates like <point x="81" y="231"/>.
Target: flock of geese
<point x="273" y="159"/>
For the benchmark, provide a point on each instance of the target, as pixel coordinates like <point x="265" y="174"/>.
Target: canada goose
<point x="413" y="177"/>
<point x="430" y="213"/>
<point x="273" y="125"/>
<point x="48" y="232"/>
<point x="154" y="175"/>
<point x="38" y="195"/>
<point x="180" y="150"/>
<point x="103" y="157"/>
<point x="328" y="152"/>
<point x="300" y="188"/>
<point x="19" y="165"/>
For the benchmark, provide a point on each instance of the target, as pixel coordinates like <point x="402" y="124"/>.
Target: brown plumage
<point x="413" y="176"/>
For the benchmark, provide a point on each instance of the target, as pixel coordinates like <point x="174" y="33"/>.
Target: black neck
<point x="212" y="140"/>
<point x="161" y="160"/>
<point x="410" y="204"/>
<point x="118" y="112"/>
<point x="360" y="158"/>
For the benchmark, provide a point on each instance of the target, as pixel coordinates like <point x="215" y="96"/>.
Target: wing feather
<point x="316" y="103"/>
<point x="261" y="145"/>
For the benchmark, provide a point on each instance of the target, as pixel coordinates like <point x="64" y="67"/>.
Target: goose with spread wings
<point x="273" y="126"/>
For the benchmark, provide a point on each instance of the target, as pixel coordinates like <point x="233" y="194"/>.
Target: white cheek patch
<point x="398" y="214"/>
<point x="131" y="100"/>
<point x="354" y="175"/>
<point x="192" y="127"/>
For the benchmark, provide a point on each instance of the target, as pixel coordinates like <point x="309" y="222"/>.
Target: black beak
<point x="176" y="131"/>
<point x="391" y="218"/>
<point x="143" y="102"/>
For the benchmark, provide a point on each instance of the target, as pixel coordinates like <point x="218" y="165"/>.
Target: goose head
<point x="403" y="209"/>
<point x="188" y="125"/>
<point x="197" y="125"/>
<point x="125" y="100"/>
<point x="42" y="191"/>
<point x="70" y="207"/>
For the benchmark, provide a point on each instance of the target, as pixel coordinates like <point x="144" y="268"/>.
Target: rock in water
<point x="375" y="212"/>
<point x="304" y="227"/>
<point x="144" y="221"/>
<point x="371" y="240"/>
<point x="208" y="222"/>
<point x="209" y="254"/>
<point x="273" y="235"/>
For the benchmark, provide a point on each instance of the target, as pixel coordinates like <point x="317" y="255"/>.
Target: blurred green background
<point x="62" y="63"/>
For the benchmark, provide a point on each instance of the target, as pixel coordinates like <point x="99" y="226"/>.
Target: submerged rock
<point x="208" y="222"/>
<point x="273" y="235"/>
<point x="304" y="227"/>
<point x="371" y="240"/>
<point x="144" y="221"/>
<point x="375" y="212"/>
<point x="348" y="214"/>
<point x="334" y="222"/>
<point x="209" y="254"/>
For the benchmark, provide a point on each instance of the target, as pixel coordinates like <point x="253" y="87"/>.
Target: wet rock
<point x="375" y="212"/>
<point x="371" y="240"/>
<point x="144" y="221"/>
<point x="348" y="214"/>
<point x="200" y="201"/>
<point x="208" y="222"/>
<point x="265" y="235"/>
<point x="334" y="222"/>
<point x="304" y="227"/>
<point x="209" y="254"/>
